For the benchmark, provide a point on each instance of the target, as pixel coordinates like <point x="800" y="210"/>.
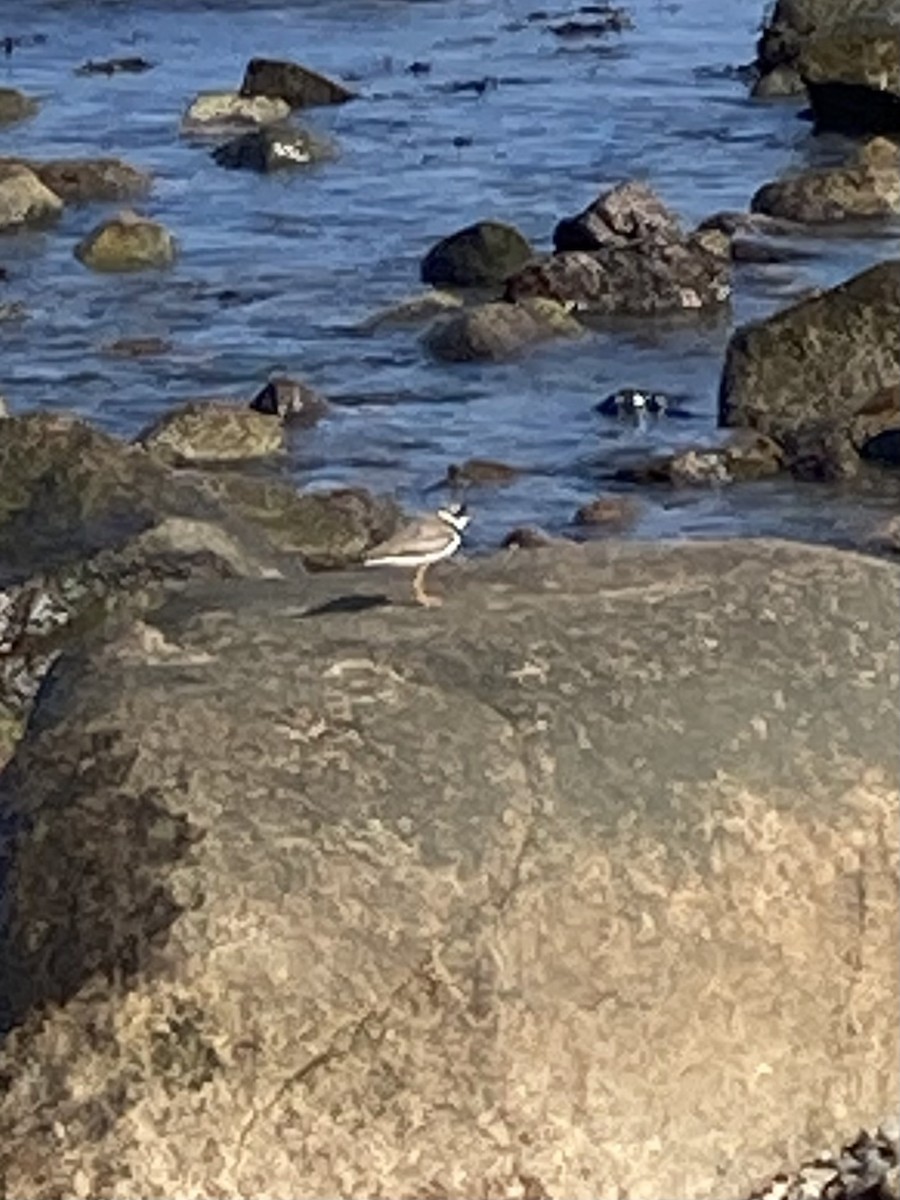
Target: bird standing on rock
<point x="421" y="542"/>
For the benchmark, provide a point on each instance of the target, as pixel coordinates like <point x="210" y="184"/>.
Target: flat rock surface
<point x="584" y="884"/>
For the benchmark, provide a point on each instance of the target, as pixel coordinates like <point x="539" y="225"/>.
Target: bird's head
<point x="455" y="515"/>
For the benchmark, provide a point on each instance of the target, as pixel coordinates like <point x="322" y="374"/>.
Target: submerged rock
<point x="24" y="200"/>
<point x="498" y="330"/>
<point x="479" y="255"/>
<point x="867" y="187"/>
<point x="609" y="512"/>
<point x="745" y="456"/>
<point x="823" y="359"/>
<point x="414" y="311"/>
<point x="265" y="820"/>
<point x="15" y="106"/>
<point x="213" y="431"/>
<point x="271" y="149"/>
<point x="479" y="472"/>
<point x="127" y="242"/>
<point x="298" y="86"/>
<point x="213" y="113"/>
<point x="84" y="180"/>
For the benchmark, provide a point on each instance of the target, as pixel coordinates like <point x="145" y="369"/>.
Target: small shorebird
<point x="420" y="543"/>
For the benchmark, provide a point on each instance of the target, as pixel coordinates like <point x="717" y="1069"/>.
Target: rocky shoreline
<point x="585" y="884"/>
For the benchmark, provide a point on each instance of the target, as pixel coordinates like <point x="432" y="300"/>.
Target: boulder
<point x="626" y="213"/>
<point x="585" y="884"/>
<point x="270" y="149"/>
<point x="867" y="187"/>
<point x="822" y="359"/>
<point x="24" y="200"/>
<point x="15" y="106"/>
<point x="214" y="113"/>
<point x="127" y="242"/>
<point x="853" y="81"/>
<point x="794" y="26"/>
<point x="744" y="457"/>
<point x="298" y="86"/>
<point x="498" y="330"/>
<point x="479" y="255"/>
<point x="413" y="311"/>
<point x="608" y="512"/>
<point x="644" y="278"/>
<point x="290" y="400"/>
<point x="213" y="431"/>
<point x="480" y="472"/>
<point x="84" y="180"/>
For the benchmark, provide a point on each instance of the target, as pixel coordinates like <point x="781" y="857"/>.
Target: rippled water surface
<point x="278" y="271"/>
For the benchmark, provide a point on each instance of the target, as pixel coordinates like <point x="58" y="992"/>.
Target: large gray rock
<point x="818" y="37"/>
<point x="868" y="186"/>
<point x="629" y="212"/>
<point x="826" y="359"/>
<point x="584" y="884"/>
<point x="499" y="330"/>
<point x="642" y="278"/>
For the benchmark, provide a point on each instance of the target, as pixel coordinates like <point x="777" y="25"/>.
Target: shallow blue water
<point x="306" y="257"/>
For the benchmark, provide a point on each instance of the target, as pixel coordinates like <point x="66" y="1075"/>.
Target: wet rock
<point x="138" y="347"/>
<point x="15" y="106"/>
<point x="751" y="224"/>
<point x="250" y="803"/>
<point x="609" y="512"/>
<point x="131" y="65"/>
<point x="479" y="255"/>
<point x="868" y="187"/>
<point x="326" y="529"/>
<point x="271" y="149"/>
<point x="414" y="311"/>
<point x="820" y="451"/>
<point x="795" y="26"/>
<point x="298" y="86"/>
<point x="498" y="330"/>
<point x="290" y="400"/>
<point x="822" y="359"/>
<point x="127" y="242"/>
<point x="84" y="180"/>
<point x="214" y="113"/>
<point x="479" y="472"/>
<point x="213" y="431"/>
<point x="24" y="200"/>
<point x="626" y="213"/>
<point x="779" y="83"/>
<point x="642" y="279"/>
<point x="744" y="457"/>
<point x="528" y="537"/>
<point x="605" y="19"/>
<point x="13" y="310"/>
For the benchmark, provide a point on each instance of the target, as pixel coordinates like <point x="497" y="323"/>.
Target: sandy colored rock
<point x="498" y="330"/>
<point x="823" y="359"/>
<point x="15" y="106"/>
<point x="415" y="310"/>
<point x="213" y="113"/>
<point x="127" y="242"/>
<point x="868" y="186"/>
<point x="24" y="200"/>
<point x="85" y="180"/>
<point x="213" y="431"/>
<point x="384" y="902"/>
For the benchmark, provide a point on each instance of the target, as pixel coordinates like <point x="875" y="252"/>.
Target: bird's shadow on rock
<point x="346" y="604"/>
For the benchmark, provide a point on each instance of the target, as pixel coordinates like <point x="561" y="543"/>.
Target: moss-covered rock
<point x="480" y="255"/>
<point x="127" y="242"/>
